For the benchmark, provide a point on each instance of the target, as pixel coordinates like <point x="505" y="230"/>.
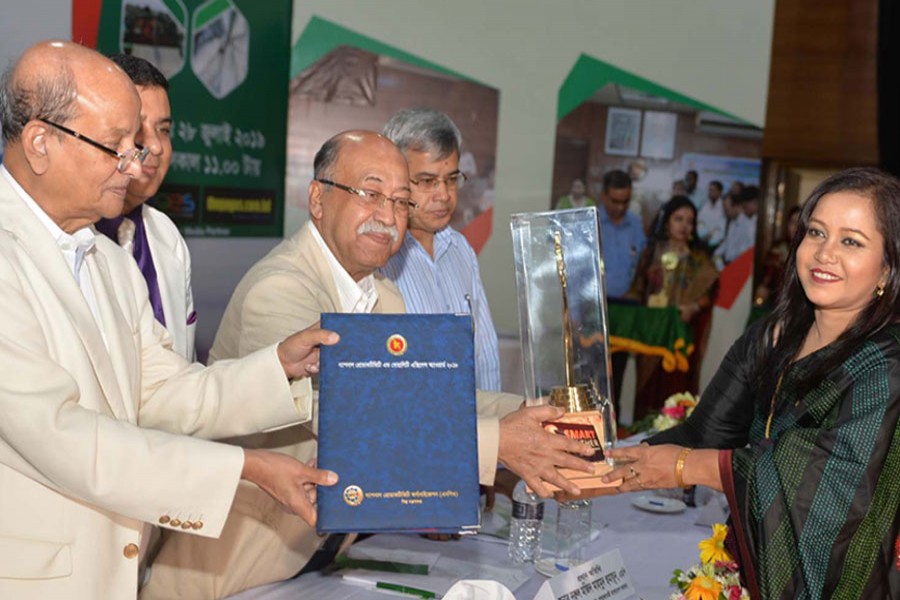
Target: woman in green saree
<point x="674" y="271"/>
<point x="804" y="411"/>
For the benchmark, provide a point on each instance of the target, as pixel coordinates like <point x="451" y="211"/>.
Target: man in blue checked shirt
<point x="436" y="268"/>
<point x="622" y="239"/>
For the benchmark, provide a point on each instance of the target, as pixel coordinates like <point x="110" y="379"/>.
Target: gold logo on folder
<point x="353" y="495"/>
<point x="396" y="345"/>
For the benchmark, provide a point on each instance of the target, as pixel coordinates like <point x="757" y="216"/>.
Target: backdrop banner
<point x="227" y="62"/>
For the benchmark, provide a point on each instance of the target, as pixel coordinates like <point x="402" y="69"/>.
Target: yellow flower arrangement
<point x="702" y="587"/>
<point x="713" y="549"/>
<point x="715" y="578"/>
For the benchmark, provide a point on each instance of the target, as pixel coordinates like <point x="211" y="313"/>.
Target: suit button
<point x="197" y="525"/>
<point x="164" y="519"/>
<point x="131" y="551"/>
<point x="186" y="525"/>
<point x="175" y="522"/>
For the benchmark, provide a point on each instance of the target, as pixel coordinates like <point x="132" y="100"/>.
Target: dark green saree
<point x="815" y="506"/>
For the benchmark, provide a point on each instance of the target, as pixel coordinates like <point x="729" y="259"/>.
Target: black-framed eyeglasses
<point x="431" y="184"/>
<point x="373" y="199"/>
<point x="125" y="158"/>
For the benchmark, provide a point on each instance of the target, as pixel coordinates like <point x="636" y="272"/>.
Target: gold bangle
<point x="679" y="467"/>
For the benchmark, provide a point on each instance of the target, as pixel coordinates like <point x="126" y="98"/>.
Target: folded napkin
<point x="478" y="589"/>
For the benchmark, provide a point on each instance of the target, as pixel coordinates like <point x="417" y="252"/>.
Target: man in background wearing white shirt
<point x="742" y="231"/>
<point x="691" y="190"/>
<point x="711" y="220"/>
<point x="148" y="234"/>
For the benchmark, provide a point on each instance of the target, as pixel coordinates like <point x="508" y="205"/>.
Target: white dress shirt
<point x="356" y="296"/>
<point x="741" y="237"/>
<point x="711" y="221"/>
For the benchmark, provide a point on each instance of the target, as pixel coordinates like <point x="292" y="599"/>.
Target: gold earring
<point x="880" y="291"/>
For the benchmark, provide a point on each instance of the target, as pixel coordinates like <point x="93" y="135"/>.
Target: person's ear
<point x="315" y="191"/>
<point x="35" y="138"/>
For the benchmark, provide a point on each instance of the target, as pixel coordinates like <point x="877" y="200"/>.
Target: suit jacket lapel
<point x="42" y="250"/>
<point x="121" y="355"/>
<point x="309" y="253"/>
<point x="169" y="274"/>
<point x="390" y="301"/>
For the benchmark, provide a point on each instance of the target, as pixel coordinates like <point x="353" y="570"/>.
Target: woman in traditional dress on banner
<point x="674" y="271"/>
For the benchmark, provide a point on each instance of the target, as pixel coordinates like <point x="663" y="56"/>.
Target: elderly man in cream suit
<point x="97" y="408"/>
<point x="358" y="204"/>
<point x="143" y="230"/>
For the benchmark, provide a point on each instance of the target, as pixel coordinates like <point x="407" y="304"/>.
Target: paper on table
<point x="446" y="572"/>
<point x="432" y="582"/>
<point x="407" y="557"/>
<point x="511" y="577"/>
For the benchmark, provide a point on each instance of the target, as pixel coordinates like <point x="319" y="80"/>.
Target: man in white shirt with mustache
<point x="359" y="201"/>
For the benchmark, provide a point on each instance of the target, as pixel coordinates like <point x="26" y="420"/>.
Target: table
<point x="652" y="546"/>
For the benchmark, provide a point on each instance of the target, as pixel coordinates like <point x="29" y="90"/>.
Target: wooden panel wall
<point x="822" y="105"/>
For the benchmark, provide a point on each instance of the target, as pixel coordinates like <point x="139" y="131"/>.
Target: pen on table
<point x="656" y="503"/>
<point x="391" y="587"/>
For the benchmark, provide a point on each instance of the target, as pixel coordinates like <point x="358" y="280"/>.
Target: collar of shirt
<point x="73" y="246"/>
<point x="356" y="296"/>
<point x="443" y="241"/>
<point x="627" y="219"/>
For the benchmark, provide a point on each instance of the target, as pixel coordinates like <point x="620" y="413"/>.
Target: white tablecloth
<point x="652" y="546"/>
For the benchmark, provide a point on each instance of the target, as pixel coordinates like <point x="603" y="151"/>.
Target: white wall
<point x="716" y="51"/>
<point x="25" y="22"/>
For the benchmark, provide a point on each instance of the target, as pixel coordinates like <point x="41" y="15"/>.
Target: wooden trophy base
<point x="587" y="428"/>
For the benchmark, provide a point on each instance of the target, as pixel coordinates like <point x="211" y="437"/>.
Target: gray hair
<point x="326" y="157"/>
<point x="423" y="130"/>
<point x="48" y="96"/>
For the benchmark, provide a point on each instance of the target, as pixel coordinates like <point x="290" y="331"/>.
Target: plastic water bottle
<point x="573" y="533"/>
<point x="525" y="526"/>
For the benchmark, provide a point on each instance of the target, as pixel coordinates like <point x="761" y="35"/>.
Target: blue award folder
<point x="397" y="424"/>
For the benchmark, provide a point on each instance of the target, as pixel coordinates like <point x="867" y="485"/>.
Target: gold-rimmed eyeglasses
<point x="125" y="158"/>
<point x="431" y="184"/>
<point x="373" y="199"/>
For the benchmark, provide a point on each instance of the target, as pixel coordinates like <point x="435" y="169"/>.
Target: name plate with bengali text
<point x="603" y="578"/>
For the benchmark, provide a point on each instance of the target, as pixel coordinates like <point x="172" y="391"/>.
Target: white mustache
<point x="373" y="226"/>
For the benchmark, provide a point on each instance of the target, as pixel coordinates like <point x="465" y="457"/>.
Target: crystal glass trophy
<point x="564" y="329"/>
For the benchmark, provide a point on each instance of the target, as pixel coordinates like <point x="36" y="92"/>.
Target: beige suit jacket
<point x="85" y="454"/>
<point x="291" y="286"/>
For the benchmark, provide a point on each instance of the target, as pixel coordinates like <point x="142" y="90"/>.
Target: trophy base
<point x="591" y="484"/>
<point x="587" y="428"/>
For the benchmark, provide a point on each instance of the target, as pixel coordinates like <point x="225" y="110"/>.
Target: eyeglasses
<point x="431" y="184"/>
<point x="373" y="199"/>
<point x="125" y="158"/>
